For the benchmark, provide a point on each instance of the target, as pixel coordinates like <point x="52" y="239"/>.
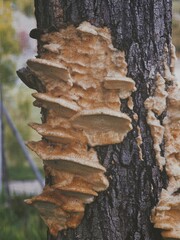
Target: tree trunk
<point x="142" y="29"/>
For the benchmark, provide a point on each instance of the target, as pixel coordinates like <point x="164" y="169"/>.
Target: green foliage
<point x="20" y="222"/>
<point x="8" y="38"/>
<point x="26" y="6"/>
<point x="19" y="104"/>
<point x="17" y="100"/>
<point x="9" y="44"/>
<point x="21" y="172"/>
<point x="7" y="71"/>
<point x="20" y="110"/>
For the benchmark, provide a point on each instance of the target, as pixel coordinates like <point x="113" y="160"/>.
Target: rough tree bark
<point x="141" y="28"/>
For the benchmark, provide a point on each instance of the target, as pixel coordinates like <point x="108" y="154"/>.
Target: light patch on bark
<point x="130" y="103"/>
<point x="156" y="105"/>
<point x="139" y="143"/>
<point x="135" y="117"/>
<point x="139" y="137"/>
<point x="173" y="59"/>
<point x="170" y="71"/>
<point x="84" y="77"/>
<point x="166" y="215"/>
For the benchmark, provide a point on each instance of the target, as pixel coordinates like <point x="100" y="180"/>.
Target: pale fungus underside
<point x="84" y="78"/>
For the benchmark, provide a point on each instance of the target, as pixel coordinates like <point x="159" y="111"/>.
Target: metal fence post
<point x="23" y="147"/>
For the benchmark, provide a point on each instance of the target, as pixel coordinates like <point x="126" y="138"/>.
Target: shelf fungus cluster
<point x="166" y="215"/>
<point x="83" y="77"/>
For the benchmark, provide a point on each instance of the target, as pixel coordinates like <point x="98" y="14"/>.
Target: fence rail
<point x="4" y="112"/>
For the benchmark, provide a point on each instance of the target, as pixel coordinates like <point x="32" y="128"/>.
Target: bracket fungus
<point x="166" y="215"/>
<point x="47" y="69"/>
<point x="58" y="210"/>
<point x="64" y="107"/>
<point x="101" y="125"/>
<point x="125" y="85"/>
<point x="58" y="134"/>
<point x="156" y="105"/>
<point x="84" y="77"/>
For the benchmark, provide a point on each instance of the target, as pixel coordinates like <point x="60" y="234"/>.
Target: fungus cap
<point x="102" y="126"/>
<point x="119" y="82"/>
<point x="101" y="119"/>
<point x="57" y="210"/>
<point x="65" y="107"/>
<point x="74" y="191"/>
<point x="58" y="134"/>
<point x="86" y="27"/>
<point x="66" y="160"/>
<point x="46" y="68"/>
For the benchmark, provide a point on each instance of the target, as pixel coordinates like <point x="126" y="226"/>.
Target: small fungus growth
<point x="156" y="105"/>
<point x="139" y="142"/>
<point x="83" y="77"/>
<point x="166" y="215"/>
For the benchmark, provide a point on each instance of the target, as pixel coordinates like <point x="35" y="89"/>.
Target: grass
<point x="20" y="222"/>
<point x="22" y="172"/>
<point x="21" y="112"/>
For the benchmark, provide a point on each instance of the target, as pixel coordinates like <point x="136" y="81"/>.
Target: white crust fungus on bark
<point x="139" y="143"/>
<point x="156" y="105"/>
<point x="84" y="77"/>
<point x="166" y="215"/>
